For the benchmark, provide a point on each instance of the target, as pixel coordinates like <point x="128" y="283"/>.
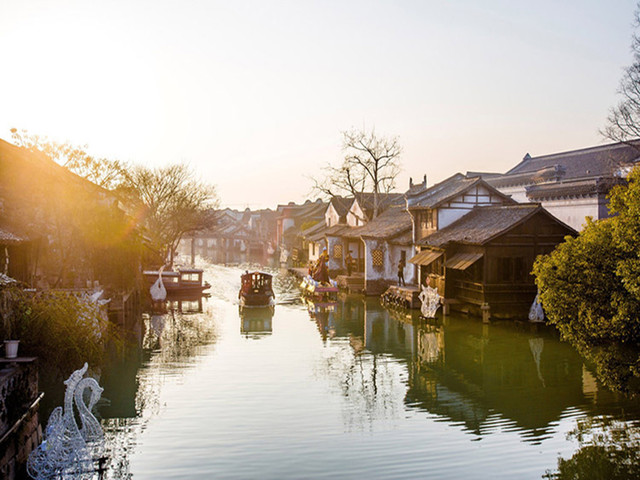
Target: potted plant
<point x="10" y="311"/>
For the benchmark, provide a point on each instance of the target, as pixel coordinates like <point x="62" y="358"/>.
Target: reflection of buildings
<point x="484" y="377"/>
<point x="529" y="379"/>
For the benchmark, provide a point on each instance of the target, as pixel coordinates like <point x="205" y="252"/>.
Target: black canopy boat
<point x="256" y="290"/>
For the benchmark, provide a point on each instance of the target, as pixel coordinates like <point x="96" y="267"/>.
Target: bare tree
<point x="102" y="171"/>
<point x="623" y="121"/>
<point x="174" y="204"/>
<point x="371" y="164"/>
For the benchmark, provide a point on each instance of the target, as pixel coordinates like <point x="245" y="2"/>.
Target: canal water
<point x="345" y="390"/>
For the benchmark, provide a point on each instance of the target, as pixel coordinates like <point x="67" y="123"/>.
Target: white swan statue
<point x="158" y="290"/>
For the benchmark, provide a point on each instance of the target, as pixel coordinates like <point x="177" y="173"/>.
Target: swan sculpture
<point x="157" y="290"/>
<point x="67" y="451"/>
<point x="430" y="301"/>
<point x="90" y="429"/>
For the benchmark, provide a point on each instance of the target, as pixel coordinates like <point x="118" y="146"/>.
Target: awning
<point x="462" y="261"/>
<point x="426" y="257"/>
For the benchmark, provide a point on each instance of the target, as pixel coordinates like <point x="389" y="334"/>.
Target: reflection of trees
<point x="371" y="385"/>
<point x="608" y="449"/>
<point x="175" y="339"/>
<point x="177" y="336"/>
<point x="616" y="366"/>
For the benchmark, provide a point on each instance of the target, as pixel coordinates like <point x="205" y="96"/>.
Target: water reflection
<point x="415" y="396"/>
<point x="256" y="322"/>
<point x="609" y="448"/>
<point x="484" y="377"/>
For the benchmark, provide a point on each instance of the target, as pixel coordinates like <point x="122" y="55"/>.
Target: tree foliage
<point x="589" y="285"/>
<point x="171" y="203"/>
<point x="371" y="164"/>
<point x="62" y="330"/>
<point x="101" y="171"/>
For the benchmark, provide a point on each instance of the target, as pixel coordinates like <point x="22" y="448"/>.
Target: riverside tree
<point x="590" y="285"/>
<point x="590" y="289"/>
<point x="103" y="172"/>
<point x="171" y="202"/>
<point x="371" y="164"/>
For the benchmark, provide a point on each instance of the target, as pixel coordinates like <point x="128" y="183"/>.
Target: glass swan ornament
<point x="67" y="451"/>
<point x="430" y="301"/>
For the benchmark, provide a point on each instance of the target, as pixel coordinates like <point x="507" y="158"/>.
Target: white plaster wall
<point x="356" y="216"/>
<point x="446" y="216"/>
<point x="391" y="259"/>
<point x="314" y="250"/>
<point x="518" y="193"/>
<point x="331" y="217"/>
<point x="371" y="272"/>
<point x="573" y="211"/>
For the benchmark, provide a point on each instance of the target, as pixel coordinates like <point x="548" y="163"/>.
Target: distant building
<point x="237" y="237"/>
<point x="571" y="185"/>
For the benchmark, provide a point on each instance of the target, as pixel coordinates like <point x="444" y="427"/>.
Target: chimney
<point x="410" y="182"/>
<point x="424" y="180"/>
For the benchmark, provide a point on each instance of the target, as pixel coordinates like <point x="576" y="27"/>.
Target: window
<point x="337" y="251"/>
<point x="377" y="257"/>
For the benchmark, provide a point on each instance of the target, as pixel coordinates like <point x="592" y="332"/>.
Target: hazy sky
<point x="254" y="95"/>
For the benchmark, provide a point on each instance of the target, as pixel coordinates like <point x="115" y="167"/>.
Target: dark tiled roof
<point x="385" y="200"/>
<point x="337" y="230"/>
<point x="341" y="205"/>
<point x="447" y="190"/>
<point x="482" y="224"/>
<point x="314" y="229"/>
<point x="598" y="161"/>
<point x="588" y="186"/>
<point x="546" y="174"/>
<point x="392" y="222"/>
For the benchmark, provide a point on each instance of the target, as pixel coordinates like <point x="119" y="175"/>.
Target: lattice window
<point x="337" y="251"/>
<point x="377" y="257"/>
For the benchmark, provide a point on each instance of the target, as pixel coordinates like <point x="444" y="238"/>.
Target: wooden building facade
<point x="483" y="261"/>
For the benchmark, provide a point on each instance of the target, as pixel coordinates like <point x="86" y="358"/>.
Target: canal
<point x="348" y="390"/>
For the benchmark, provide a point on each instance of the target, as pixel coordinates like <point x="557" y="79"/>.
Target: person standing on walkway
<point x="401" y="273"/>
<point x="348" y="261"/>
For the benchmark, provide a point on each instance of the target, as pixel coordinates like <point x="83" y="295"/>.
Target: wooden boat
<point x="256" y="290"/>
<point x="315" y="289"/>
<point x="186" y="282"/>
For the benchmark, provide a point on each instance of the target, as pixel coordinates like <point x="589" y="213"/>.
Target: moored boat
<point x="184" y="282"/>
<point x="256" y="290"/>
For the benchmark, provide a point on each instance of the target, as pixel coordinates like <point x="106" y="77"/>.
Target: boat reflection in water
<point x="322" y="312"/>
<point x="256" y="322"/>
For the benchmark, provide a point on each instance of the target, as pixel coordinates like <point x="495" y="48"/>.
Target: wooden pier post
<point x="486" y="313"/>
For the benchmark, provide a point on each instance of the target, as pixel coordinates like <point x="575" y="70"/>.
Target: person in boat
<point x="321" y="273"/>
